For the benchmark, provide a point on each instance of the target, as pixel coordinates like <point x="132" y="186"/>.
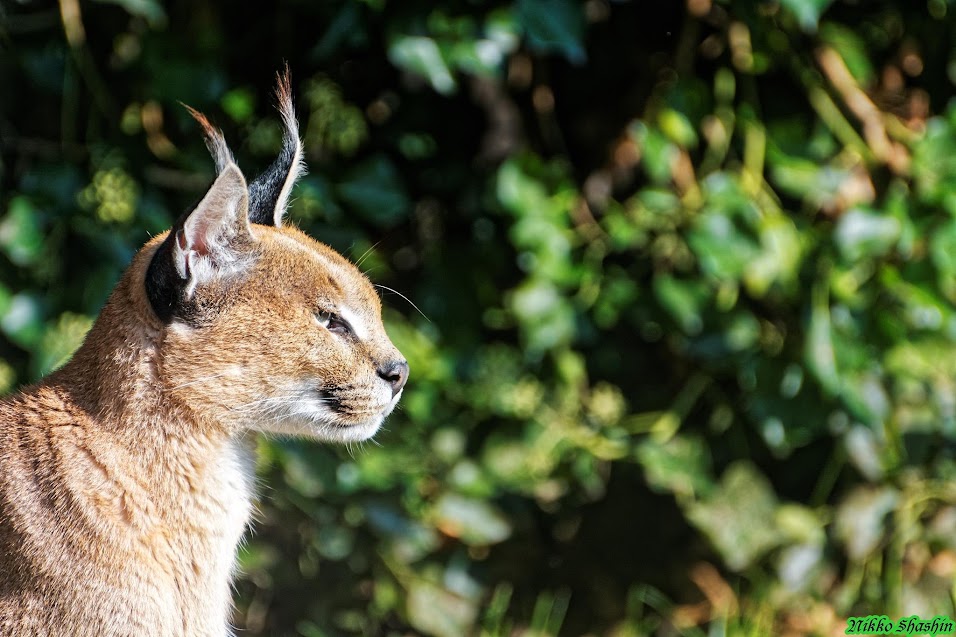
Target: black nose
<point x="396" y="373"/>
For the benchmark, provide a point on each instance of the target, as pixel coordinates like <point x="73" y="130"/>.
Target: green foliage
<point x="685" y="357"/>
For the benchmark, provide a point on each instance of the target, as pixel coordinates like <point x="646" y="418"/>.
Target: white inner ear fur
<point x="205" y="247"/>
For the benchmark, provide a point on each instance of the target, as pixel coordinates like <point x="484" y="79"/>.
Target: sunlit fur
<point x="126" y="477"/>
<point x="307" y="368"/>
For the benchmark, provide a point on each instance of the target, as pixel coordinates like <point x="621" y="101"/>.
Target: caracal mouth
<point x="320" y="416"/>
<point x="355" y="432"/>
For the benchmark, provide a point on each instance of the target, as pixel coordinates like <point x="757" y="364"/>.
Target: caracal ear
<point x="214" y="234"/>
<point x="212" y="241"/>
<point x="269" y="192"/>
<point x="215" y="141"/>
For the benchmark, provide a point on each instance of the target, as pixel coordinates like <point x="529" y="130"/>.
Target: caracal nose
<point x="395" y="373"/>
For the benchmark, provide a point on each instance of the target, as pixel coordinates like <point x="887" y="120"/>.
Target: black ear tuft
<point x="269" y="192"/>
<point x="215" y="141"/>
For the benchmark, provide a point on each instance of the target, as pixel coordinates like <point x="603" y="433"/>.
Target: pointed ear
<point x="211" y="234"/>
<point x="212" y="241"/>
<point x="269" y="192"/>
<point x="215" y="141"/>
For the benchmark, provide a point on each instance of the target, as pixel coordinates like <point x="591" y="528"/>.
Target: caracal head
<point x="264" y="327"/>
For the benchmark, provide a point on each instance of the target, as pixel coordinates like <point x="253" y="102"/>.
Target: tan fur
<point x="125" y="482"/>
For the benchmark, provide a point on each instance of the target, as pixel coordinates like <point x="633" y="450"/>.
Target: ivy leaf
<point x="807" y="12"/>
<point x="421" y="55"/>
<point x="865" y="233"/>
<point x="681" y="465"/>
<point x="738" y="517"/>
<point x="557" y="26"/>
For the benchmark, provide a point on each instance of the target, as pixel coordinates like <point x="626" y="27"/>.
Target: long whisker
<point x="279" y="400"/>
<point x="293" y="414"/>
<point x="358" y="264"/>
<point x="385" y="287"/>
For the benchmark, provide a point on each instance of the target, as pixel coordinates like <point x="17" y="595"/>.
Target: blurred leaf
<point x="818" y="352"/>
<point x="800" y="524"/>
<point x="657" y="152"/>
<point x="780" y="255"/>
<point x="737" y="516"/>
<point x="435" y="611"/>
<point x="506" y="460"/>
<point x="808" y="12"/>
<point x="544" y="314"/>
<point x="934" y="161"/>
<point x="724" y="251"/>
<point x="520" y="193"/>
<point x="59" y="341"/>
<point x="471" y="520"/>
<point x="421" y="55"/>
<point x="860" y="521"/>
<point x="501" y="27"/>
<point x="865" y="233"/>
<point x="942" y="247"/>
<point x="683" y="300"/>
<point x="113" y="194"/>
<point x="924" y="358"/>
<point x="680" y="465"/>
<point x="8" y="378"/>
<point x="796" y="565"/>
<point x="865" y="452"/>
<point x="850" y="46"/>
<point x="239" y="104"/>
<point x="557" y="25"/>
<point x="22" y="318"/>
<point x="333" y="123"/>
<point x="677" y="127"/>
<point x="21" y="238"/>
<point x="480" y="57"/>
<point x="256" y="557"/>
<point x="304" y="470"/>
<point x="334" y="542"/>
<point x="409" y="540"/>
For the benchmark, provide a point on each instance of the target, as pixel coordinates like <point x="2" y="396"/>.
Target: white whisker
<point x="366" y="254"/>
<point x="385" y="287"/>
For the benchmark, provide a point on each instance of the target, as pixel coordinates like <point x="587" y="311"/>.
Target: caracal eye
<point x="333" y="323"/>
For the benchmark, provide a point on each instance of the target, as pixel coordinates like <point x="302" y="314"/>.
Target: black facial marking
<point x="165" y="289"/>
<point x="331" y="401"/>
